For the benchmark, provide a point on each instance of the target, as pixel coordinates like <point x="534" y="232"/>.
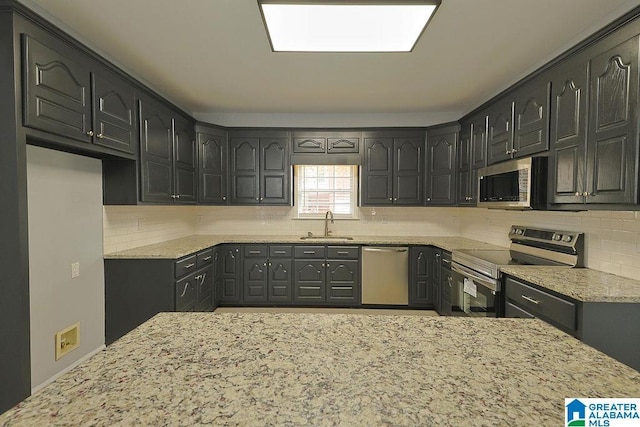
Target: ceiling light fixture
<point x="345" y="26"/>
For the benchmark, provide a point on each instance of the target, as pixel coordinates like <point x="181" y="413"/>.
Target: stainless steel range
<point x="476" y="288"/>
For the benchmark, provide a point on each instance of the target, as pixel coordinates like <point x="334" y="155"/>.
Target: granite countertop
<point x="329" y="369"/>
<point x="581" y="284"/>
<point x="174" y="249"/>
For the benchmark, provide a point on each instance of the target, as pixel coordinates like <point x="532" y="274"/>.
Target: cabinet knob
<point x="586" y="193"/>
<point x="328" y="265"/>
<point x="177" y="196"/>
<point x="237" y="250"/>
<point x="578" y="194"/>
<point x="257" y="198"/>
<point x="173" y="196"/>
<point x="100" y="136"/>
<point x="395" y="199"/>
<point x="261" y="198"/>
<point x="390" y="199"/>
<point x="224" y="197"/>
<point x="514" y="151"/>
<point x="428" y="199"/>
<point x="508" y="152"/>
<point x="90" y="133"/>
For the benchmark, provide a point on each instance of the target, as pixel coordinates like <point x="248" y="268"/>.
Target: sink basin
<point x="326" y="237"/>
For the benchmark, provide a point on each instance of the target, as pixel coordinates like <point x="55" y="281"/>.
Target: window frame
<point x="320" y="215"/>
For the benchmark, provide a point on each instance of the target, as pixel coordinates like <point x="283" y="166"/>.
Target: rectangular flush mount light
<point x="345" y="26"/>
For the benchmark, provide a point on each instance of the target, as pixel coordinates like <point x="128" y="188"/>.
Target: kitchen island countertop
<point x="177" y="248"/>
<point x="337" y="369"/>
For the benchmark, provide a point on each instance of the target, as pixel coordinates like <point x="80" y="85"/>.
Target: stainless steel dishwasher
<point x="385" y="275"/>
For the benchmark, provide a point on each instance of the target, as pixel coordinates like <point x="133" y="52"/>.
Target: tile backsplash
<point x="612" y="239"/>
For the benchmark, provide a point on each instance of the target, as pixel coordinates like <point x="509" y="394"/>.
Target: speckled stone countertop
<point x="329" y="369"/>
<point x="174" y="249"/>
<point x="581" y="284"/>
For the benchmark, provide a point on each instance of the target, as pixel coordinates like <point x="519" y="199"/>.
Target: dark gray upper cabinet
<point x="260" y="170"/>
<point x="531" y="118"/>
<point x="184" y="142"/>
<point x="500" y="131"/>
<point x="212" y="165"/>
<point x="69" y="96"/>
<point x="441" y="165"/>
<point x="472" y="155"/>
<point x="326" y="142"/>
<point x="114" y="104"/>
<point x="594" y="141"/>
<point x="393" y="170"/>
<point x="167" y="154"/>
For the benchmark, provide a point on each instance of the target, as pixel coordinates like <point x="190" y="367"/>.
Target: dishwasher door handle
<point x="384" y="249"/>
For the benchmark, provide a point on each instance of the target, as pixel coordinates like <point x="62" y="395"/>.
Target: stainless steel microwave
<point x="515" y="184"/>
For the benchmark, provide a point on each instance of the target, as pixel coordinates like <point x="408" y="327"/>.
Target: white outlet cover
<point x="75" y="270"/>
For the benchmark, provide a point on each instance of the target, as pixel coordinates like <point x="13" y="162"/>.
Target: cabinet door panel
<point x="499" y="132"/>
<point x="420" y="291"/>
<point x="408" y="172"/>
<point x="230" y="274"/>
<point x="343" y="282"/>
<point x="156" y="152"/>
<point x="245" y="170"/>
<point x="185" y="161"/>
<point x="441" y="163"/>
<point x="255" y="280"/>
<point x="309" y="145"/>
<point x="309" y="281"/>
<point x="115" y="113"/>
<point x="280" y="280"/>
<point x="567" y="162"/>
<point x="57" y="92"/>
<point x="275" y="171"/>
<point x="531" y="133"/>
<point x="343" y="145"/>
<point x="212" y="152"/>
<point x="613" y="136"/>
<point x="377" y="173"/>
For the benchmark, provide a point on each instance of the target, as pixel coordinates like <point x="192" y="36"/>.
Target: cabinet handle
<point x="189" y="266"/>
<point x="90" y="133"/>
<point x="280" y="252"/>
<point x="508" y="152"/>
<point x="343" y="253"/>
<point x="202" y="278"/>
<point x="254" y="252"/>
<point x="594" y="194"/>
<point x="309" y="252"/>
<point x="184" y="292"/>
<point x="207" y="258"/>
<point x="100" y="136"/>
<point x="514" y="151"/>
<point x="536" y="302"/>
<point x="450" y="280"/>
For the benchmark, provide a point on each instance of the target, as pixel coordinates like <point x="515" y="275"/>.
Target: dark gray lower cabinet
<point x="267" y="279"/>
<point x="420" y="285"/>
<point x="446" y="285"/>
<point x="230" y="261"/>
<point x="602" y="325"/>
<point x="138" y="289"/>
<point x="327" y="275"/>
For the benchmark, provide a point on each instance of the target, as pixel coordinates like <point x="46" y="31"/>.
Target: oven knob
<point x="519" y="231"/>
<point x="557" y="236"/>
<point x="567" y="238"/>
<point x="514" y="230"/>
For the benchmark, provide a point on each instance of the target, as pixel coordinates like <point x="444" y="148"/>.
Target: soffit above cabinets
<point x="214" y="56"/>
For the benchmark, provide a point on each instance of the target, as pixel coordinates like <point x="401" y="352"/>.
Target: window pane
<point x="326" y="187"/>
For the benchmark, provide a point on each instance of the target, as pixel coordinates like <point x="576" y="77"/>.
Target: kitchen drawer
<point x="204" y="258"/>
<point x="310" y="252"/>
<point x="540" y="303"/>
<point x="255" y="251"/>
<point x="343" y="252"/>
<point x="185" y="266"/>
<point x="280" y="251"/>
<point x="186" y="293"/>
<point x="511" y="310"/>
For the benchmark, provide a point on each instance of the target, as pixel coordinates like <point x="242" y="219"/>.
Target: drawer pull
<point x="531" y="300"/>
<point x="255" y="252"/>
<point x="207" y="258"/>
<point x="309" y="252"/>
<point x="184" y="292"/>
<point x="189" y="266"/>
<point x="280" y="252"/>
<point x="343" y="253"/>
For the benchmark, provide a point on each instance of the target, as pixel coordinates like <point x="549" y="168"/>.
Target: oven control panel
<point x="554" y="237"/>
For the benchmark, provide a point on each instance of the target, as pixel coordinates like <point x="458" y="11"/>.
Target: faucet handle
<point x="309" y="234"/>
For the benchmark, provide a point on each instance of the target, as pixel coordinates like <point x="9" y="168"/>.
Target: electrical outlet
<point x="140" y="223"/>
<point x="75" y="270"/>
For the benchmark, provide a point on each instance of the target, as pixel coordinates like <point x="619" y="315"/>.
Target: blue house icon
<point x="575" y="407"/>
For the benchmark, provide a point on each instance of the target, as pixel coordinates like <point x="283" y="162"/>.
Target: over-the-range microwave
<point x="514" y="184"/>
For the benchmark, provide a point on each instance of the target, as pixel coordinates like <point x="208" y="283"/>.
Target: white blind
<point x="321" y="188"/>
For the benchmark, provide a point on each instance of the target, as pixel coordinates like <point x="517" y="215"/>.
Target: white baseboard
<point x="67" y="369"/>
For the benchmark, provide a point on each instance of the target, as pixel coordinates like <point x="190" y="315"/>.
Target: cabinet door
<point x="612" y="151"/>
<point x="231" y="275"/>
<point x="464" y="165"/>
<point x="245" y="170"/>
<point x="255" y="280"/>
<point x="309" y="144"/>
<point x="408" y="171"/>
<point x="420" y="292"/>
<point x="377" y="172"/>
<point x="57" y="91"/>
<point x="185" y="161"/>
<point x="156" y="152"/>
<point x="478" y="154"/>
<point x="343" y="285"/>
<point x="205" y="287"/>
<point x="567" y="162"/>
<point x="441" y="169"/>
<point x="114" y="104"/>
<point x="531" y="118"/>
<point x="212" y="170"/>
<point x="343" y="145"/>
<point x="446" y="287"/>
<point x="275" y="171"/>
<point x="309" y="281"/>
<point x="280" y="280"/>
<point x="499" y="131"/>
<point x="186" y="290"/>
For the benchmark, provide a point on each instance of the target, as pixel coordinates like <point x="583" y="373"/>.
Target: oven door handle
<point x="494" y="286"/>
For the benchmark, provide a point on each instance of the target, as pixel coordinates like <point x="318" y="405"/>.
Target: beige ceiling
<point x="212" y="56"/>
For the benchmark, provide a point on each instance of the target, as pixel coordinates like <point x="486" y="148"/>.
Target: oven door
<point x="474" y="294"/>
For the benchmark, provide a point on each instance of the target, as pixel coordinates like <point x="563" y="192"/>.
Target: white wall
<point x="65" y="226"/>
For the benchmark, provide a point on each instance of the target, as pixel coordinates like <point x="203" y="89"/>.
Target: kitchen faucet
<point x="326" y="223"/>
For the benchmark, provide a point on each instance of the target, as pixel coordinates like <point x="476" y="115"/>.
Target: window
<point x="322" y="188"/>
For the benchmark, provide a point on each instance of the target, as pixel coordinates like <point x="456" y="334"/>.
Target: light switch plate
<point x="75" y="270"/>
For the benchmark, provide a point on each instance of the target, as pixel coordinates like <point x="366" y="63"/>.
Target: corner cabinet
<point x="212" y="165"/>
<point x="167" y="154"/>
<point x="393" y="169"/>
<point x="594" y="136"/>
<point x="440" y="185"/>
<point x="260" y="169"/>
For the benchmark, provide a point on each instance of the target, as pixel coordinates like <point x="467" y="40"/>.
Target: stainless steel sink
<point x="326" y="237"/>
